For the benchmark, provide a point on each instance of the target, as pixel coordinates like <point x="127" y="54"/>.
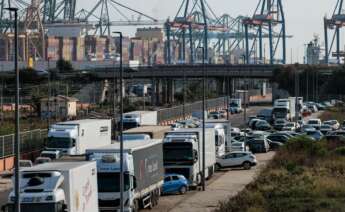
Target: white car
<point x="316" y="123"/>
<point x="291" y="126"/>
<point x="333" y="123"/>
<point x="236" y="159"/>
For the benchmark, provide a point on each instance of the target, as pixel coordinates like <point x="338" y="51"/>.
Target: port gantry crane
<point x="196" y="25"/>
<point x="269" y="15"/>
<point x="334" y="23"/>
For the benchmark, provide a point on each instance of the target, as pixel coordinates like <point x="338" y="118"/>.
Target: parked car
<point x="279" y="124"/>
<point x="259" y="145"/>
<point x="316" y="134"/>
<point x="266" y="114"/>
<point x="262" y="125"/>
<point x="290" y="126"/>
<point x="236" y="159"/>
<point x="325" y="129"/>
<point x="278" y="138"/>
<point x="307" y="127"/>
<point x="25" y="163"/>
<point x="320" y="106"/>
<point x="238" y="147"/>
<point x="251" y="118"/>
<point x="41" y="160"/>
<point x="333" y="123"/>
<point x="175" y="184"/>
<point x="312" y="108"/>
<point x="316" y="123"/>
<point x="215" y="115"/>
<point x="306" y="112"/>
<point x="274" y="145"/>
<point x="253" y="122"/>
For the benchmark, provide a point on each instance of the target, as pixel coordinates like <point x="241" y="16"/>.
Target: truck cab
<point x="235" y="105"/>
<point x="62" y="138"/>
<point x="182" y="154"/>
<point x="57" y="187"/>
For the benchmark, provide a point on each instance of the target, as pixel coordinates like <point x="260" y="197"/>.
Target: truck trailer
<point x="74" y="137"/>
<point x="143" y="178"/>
<point x="183" y="153"/>
<point x="57" y="187"/>
<point x="153" y="131"/>
<point x="139" y="118"/>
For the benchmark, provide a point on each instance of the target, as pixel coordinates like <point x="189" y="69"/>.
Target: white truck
<point x="154" y="132"/>
<point x="143" y="178"/>
<point x="74" y="137"/>
<point x="284" y="109"/>
<point x="235" y="105"/>
<point x="57" y="187"/>
<point x="183" y="153"/>
<point x="139" y="118"/>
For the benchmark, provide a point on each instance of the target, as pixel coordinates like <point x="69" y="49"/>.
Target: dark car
<point x="274" y="145"/>
<point x="281" y="138"/>
<point x="258" y="145"/>
<point x="262" y="126"/>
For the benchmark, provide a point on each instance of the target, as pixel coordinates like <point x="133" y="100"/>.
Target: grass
<point x="303" y="176"/>
<point x="8" y="127"/>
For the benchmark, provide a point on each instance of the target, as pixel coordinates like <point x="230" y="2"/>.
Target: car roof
<point x="170" y="175"/>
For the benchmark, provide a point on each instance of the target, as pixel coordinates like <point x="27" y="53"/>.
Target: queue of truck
<point x="154" y="157"/>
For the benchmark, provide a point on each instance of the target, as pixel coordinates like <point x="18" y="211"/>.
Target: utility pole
<point x="2" y="101"/>
<point x="17" y="128"/>
<point x="121" y="127"/>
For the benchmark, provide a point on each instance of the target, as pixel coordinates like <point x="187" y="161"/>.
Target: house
<point x="62" y="107"/>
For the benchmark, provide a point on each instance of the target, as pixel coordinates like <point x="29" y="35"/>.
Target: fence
<point x="29" y="141"/>
<point x="176" y="112"/>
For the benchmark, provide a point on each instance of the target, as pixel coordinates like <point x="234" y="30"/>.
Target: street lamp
<point x="17" y="139"/>
<point x="203" y="117"/>
<point x="121" y="124"/>
<point x="49" y="94"/>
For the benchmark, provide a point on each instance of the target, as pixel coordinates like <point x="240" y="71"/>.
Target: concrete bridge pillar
<point x="157" y="92"/>
<point x="170" y="91"/>
<point x="164" y="91"/>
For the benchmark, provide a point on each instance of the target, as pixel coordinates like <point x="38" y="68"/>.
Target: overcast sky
<point x="304" y="18"/>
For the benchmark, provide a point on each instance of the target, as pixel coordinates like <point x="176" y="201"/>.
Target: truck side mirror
<point x="195" y="156"/>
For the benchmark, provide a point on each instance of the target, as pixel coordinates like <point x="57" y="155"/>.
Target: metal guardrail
<point x="29" y="141"/>
<point x="175" y="112"/>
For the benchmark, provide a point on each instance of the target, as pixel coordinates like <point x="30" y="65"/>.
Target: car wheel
<point x="218" y="167"/>
<point x="183" y="190"/>
<point x="247" y="165"/>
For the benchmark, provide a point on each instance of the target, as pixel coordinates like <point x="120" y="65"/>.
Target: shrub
<point x="340" y="151"/>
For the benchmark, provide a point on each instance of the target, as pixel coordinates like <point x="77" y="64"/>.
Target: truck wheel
<point x="183" y="190"/>
<point x="247" y="165"/>
<point x="154" y="199"/>
<point x="218" y="167"/>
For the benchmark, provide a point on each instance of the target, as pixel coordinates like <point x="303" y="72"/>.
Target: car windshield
<point x="280" y="122"/>
<point x="313" y="122"/>
<point x="326" y="127"/>
<point x="237" y="144"/>
<point x="289" y="125"/>
<point x="133" y="137"/>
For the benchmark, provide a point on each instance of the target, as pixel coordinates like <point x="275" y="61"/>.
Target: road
<point x="167" y="202"/>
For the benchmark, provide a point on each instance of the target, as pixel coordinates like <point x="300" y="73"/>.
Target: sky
<point x="304" y="18"/>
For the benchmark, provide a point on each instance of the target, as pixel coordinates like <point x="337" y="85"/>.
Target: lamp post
<point x="121" y="125"/>
<point x="49" y="93"/>
<point x="17" y="138"/>
<point x="203" y="117"/>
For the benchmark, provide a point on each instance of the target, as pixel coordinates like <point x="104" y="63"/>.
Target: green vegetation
<point x="337" y="113"/>
<point x="8" y="127"/>
<point x="304" y="176"/>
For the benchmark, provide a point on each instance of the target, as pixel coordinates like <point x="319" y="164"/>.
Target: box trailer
<point x="74" y="137"/>
<point x="144" y="174"/>
<point x="139" y="118"/>
<point x="154" y="132"/>
<point x="58" y="187"/>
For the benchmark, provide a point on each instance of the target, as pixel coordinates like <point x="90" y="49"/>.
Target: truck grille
<point x="109" y="203"/>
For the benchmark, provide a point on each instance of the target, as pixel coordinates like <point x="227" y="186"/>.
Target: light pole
<point x="203" y="117"/>
<point x="49" y="93"/>
<point x="121" y="125"/>
<point x="17" y="138"/>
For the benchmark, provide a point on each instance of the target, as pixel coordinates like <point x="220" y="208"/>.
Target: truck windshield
<point x="54" y="142"/>
<point x="53" y="207"/>
<point x="280" y="110"/>
<point x="233" y="104"/>
<point x="110" y="182"/>
<point x="178" y="153"/>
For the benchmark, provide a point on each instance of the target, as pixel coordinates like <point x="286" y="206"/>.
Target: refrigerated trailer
<point x="74" y="137"/>
<point x="139" y="118"/>
<point x="183" y="153"/>
<point x="143" y="178"/>
<point x="57" y="187"/>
